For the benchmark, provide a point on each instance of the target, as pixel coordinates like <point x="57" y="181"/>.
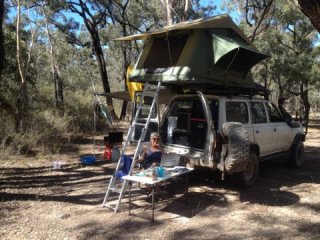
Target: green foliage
<point x="285" y="34"/>
<point x="289" y="40"/>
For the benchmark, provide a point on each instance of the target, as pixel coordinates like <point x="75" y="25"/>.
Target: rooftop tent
<point x="205" y="51"/>
<point x="232" y="54"/>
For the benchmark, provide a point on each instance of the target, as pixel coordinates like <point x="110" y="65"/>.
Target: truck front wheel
<point x="296" y="156"/>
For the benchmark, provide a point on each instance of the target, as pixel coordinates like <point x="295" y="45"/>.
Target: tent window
<point x="159" y="57"/>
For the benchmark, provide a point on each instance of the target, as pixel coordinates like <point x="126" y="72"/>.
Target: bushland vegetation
<point x="55" y="54"/>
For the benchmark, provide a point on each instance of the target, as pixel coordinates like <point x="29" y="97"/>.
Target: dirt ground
<point x="37" y="202"/>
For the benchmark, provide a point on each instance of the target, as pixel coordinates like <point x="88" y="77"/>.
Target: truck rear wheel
<point x="249" y="175"/>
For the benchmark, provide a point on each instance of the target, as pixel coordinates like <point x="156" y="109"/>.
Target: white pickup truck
<point x="230" y="134"/>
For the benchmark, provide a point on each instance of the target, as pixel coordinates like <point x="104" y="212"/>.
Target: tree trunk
<point x="22" y="100"/>
<point x="58" y="86"/>
<point x="1" y="38"/>
<point x="169" y="12"/>
<point x="55" y="72"/>
<point x="185" y="11"/>
<point x="312" y="10"/>
<point x="91" y="22"/>
<point x="125" y="68"/>
<point x="102" y="68"/>
<point x="306" y="104"/>
<point x="125" y="103"/>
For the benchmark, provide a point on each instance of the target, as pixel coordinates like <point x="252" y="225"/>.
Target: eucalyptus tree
<point x="311" y="8"/>
<point x="25" y="40"/>
<point x="56" y="75"/>
<point x="2" y="14"/>
<point x="23" y="95"/>
<point x="283" y="32"/>
<point x="17" y="75"/>
<point x="94" y="16"/>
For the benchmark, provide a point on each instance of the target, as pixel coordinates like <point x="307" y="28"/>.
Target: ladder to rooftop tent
<point x="119" y="187"/>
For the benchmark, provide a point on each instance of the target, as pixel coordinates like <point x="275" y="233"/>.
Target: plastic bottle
<point x="154" y="174"/>
<point x="115" y="153"/>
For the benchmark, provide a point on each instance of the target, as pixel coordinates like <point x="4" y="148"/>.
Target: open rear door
<point x="210" y="136"/>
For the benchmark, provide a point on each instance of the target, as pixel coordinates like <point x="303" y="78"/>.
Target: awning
<point x="220" y="21"/>
<point x="234" y="54"/>
<point x="164" y="96"/>
<point x="122" y="95"/>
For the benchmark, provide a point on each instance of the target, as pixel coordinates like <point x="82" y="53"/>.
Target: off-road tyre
<point x="249" y="175"/>
<point x="238" y="147"/>
<point x="296" y="156"/>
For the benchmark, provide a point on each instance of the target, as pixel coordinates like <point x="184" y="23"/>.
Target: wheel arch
<point x="254" y="147"/>
<point x="299" y="137"/>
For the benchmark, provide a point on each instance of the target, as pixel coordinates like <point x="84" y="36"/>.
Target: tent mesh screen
<point x="164" y="53"/>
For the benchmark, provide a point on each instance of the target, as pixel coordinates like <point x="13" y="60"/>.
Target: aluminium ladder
<point x="149" y="91"/>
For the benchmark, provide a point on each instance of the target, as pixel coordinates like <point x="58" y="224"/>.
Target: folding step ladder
<point x="149" y="91"/>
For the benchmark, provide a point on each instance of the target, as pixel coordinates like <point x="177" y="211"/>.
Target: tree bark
<point x="2" y="9"/>
<point x="185" y="11"/>
<point x="305" y="100"/>
<point x="102" y="68"/>
<point x="22" y="100"/>
<point x="55" y="72"/>
<point x="91" y="25"/>
<point x="125" y="67"/>
<point x="169" y="12"/>
<point x="311" y="8"/>
<point x="58" y="86"/>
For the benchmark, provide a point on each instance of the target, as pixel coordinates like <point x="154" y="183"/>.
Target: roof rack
<point x="257" y="90"/>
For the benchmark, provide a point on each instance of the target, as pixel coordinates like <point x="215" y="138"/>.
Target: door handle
<point x="257" y="131"/>
<point x="274" y="129"/>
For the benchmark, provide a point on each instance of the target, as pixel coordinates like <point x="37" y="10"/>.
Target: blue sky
<point x="217" y="3"/>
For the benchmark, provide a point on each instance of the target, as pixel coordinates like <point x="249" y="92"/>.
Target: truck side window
<point x="237" y="112"/>
<point x="258" y="112"/>
<point x="274" y="114"/>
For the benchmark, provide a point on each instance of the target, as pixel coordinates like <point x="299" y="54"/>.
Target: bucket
<point x="88" y="160"/>
<point x="107" y="152"/>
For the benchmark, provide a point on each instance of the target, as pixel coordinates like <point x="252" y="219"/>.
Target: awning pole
<point x="227" y="69"/>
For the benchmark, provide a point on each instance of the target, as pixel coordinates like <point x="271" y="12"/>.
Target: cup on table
<point x="160" y="172"/>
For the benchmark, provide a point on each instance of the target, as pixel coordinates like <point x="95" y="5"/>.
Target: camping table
<point x="174" y="172"/>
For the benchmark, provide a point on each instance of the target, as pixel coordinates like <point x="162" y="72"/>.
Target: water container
<point x="115" y="153"/>
<point x="107" y="152"/>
